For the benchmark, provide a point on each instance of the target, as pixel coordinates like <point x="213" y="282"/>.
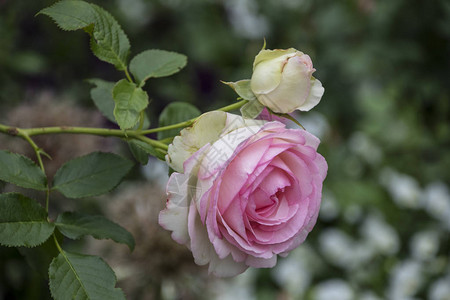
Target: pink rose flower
<point x="247" y="191"/>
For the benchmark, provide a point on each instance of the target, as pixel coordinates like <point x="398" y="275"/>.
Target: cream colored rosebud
<point x="282" y="81"/>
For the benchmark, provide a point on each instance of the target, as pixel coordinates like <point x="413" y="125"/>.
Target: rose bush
<point x="244" y="191"/>
<point x="282" y="81"/>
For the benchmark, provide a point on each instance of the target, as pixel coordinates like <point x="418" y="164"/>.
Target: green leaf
<point x="23" y="222"/>
<point x="140" y="155"/>
<point x="130" y="101"/>
<point x="251" y="109"/>
<point x="242" y="88"/>
<point x="101" y="94"/>
<point x="75" y="225"/>
<point x="173" y="113"/>
<point x="108" y="41"/>
<point x="156" y="63"/>
<point x="40" y="257"/>
<point x="91" y="175"/>
<point x="103" y="99"/>
<point x="82" y="277"/>
<point x="70" y="15"/>
<point x="22" y="171"/>
<point x="143" y="147"/>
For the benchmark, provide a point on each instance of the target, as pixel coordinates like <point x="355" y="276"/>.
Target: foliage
<point x="23" y="222"/>
<point x="21" y="170"/>
<point x="385" y="71"/>
<point x="82" y="277"/>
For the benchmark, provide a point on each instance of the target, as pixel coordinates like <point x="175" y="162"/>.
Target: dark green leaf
<point x="130" y="100"/>
<point x="102" y="97"/>
<point x="22" y="171"/>
<point x="173" y="113"/>
<point x="148" y="149"/>
<point x="252" y="109"/>
<point x="82" y="277"/>
<point x="91" y="175"/>
<point x="156" y="63"/>
<point x="75" y="225"/>
<point x="40" y="257"/>
<point x="108" y="41"/>
<point x="70" y="15"/>
<point x="139" y="154"/>
<point x="23" y="222"/>
<point x="242" y="88"/>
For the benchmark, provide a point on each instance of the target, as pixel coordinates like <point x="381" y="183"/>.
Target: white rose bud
<point x="282" y="81"/>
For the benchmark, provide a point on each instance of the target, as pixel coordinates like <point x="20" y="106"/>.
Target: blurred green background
<point x="384" y="227"/>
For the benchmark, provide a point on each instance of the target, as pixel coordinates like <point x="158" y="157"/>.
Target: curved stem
<point x="20" y="132"/>
<point x="128" y="74"/>
<point x="233" y="106"/>
<point x="187" y="123"/>
<point x="57" y="244"/>
<point x="92" y="131"/>
<point x="168" y="127"/>
<point x="35" y="147"/>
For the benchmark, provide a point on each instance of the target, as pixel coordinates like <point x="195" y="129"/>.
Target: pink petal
<point x="261" y="262"/>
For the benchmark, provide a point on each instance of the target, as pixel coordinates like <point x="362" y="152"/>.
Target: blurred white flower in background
<point x="337" y="247"/>
<point x="156" y="171"/>
<point x="168" y="290"/>
<point x="137" y="12"/>
<point x="239" y="287"/>
<point x="361" y="145"/>
<point x="440" y="289"/>
<point x="436" y="201"/>
<point x="334" y="289"/>
<point x="368" y="296"/>
<point x="353" y="166"/>
<point x="293" y="276"/>
<point x="295" y="272"/>
<point x="315" y="123"/>
<point x="246" y="20"/>
<point x="403" y="188"/>
<point x="424" y="245"/>
<point x="329" y="208"/>
<point x="405" y="280"/>
<point x="353" y="213"/>
<point x="380" y="235"/>
<point x="291" y="4"/>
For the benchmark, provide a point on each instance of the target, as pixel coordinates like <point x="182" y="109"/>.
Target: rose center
<point x="267" y="208"/>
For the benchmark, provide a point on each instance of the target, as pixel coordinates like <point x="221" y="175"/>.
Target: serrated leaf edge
<point x="57" y="225"/>
<point x="29" y="160"/>
<point x="80" y="157"/>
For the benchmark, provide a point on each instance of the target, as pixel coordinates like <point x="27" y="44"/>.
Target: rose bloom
<point x="243" y="192"/>
<point x="282" y="81"/>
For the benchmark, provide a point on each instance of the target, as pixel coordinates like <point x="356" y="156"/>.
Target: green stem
<point x="23" y="134"/>
<point x="137" y="134"/>
<point x="233" y="106"/>
<point x="57" y="244"/>
<point x="187" y="123"/>
<point x="128" y="75"/>
<point x="82" y="130"/>
<point x="47" y="199"/>
<point x="141" y="120"/>
<point x="174" y="126"/>
<point x="35" y="147"/>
